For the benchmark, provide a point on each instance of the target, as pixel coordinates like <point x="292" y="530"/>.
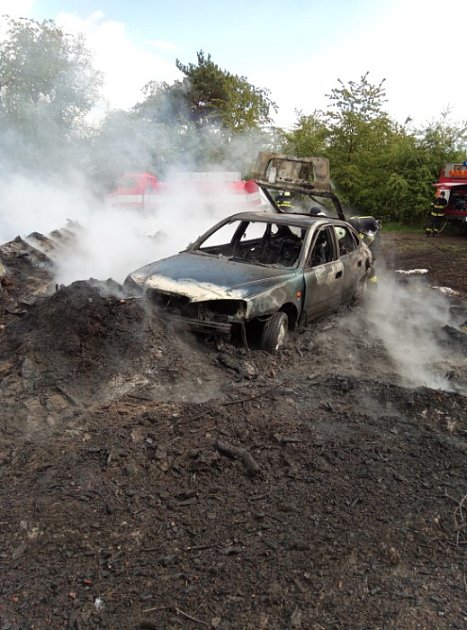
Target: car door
<point x="352" y="257"/>
<point x="323" y="275"/>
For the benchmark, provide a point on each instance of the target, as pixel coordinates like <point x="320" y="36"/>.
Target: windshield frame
<point x="231" y="251"/>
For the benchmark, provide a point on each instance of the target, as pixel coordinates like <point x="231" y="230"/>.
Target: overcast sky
<point x="297" y="50"/>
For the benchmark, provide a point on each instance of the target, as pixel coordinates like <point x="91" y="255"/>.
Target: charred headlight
<point x="230" y="310"/>
<point x="175" y="304"/>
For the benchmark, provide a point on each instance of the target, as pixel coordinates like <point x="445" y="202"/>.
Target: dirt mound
<point x="87" y="344"/>
<point x="27" y="269"/>
<point x="150" y="480"/>
<point x="25" y="273"/>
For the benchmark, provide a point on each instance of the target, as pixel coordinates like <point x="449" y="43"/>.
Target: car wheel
<point x="275" y="332"/>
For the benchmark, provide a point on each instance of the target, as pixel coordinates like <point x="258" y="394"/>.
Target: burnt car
<point x="262" y="274"/>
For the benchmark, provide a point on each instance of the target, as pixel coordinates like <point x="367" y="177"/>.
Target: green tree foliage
<point x="359" y="130"/>
<point x="47" y="85"/>
<point x="227" y="100"/>
<point x="308" y="137"/>
<point x="208" y="109"/>
<point x="442" y="141"/>
<point x="378" y="166"/>
<point x="164" y="103"/>
<point x="208" y="97"/>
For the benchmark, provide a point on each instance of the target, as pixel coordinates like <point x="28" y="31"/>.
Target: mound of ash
<point x="27" y="268"/>
<point x="78" y="330"/>
<point x="58" y="240"/>
<point x="159" y="482"/>
<point x="25" y="274"/>
<point x="85" y="344"/>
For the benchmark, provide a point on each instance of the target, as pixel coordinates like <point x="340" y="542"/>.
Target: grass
<point x="393" y="226"/>
<point x="453" y="228"/>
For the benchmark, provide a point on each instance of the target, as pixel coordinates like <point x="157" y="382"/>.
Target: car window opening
<point x="346" y="240"/>
<point x="260" y="243"/>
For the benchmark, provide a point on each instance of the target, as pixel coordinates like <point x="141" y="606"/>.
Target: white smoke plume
<point x="405" y="317"/>
<point x="116" y="241"/>
<point x="108" y="241"/>
<point x="41" y="204"/>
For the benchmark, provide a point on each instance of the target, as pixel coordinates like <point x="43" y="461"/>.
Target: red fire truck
<point x="453" y="181"/>
<point x="143" y="191"/>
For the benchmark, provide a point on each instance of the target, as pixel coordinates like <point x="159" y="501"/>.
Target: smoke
<point x="40" y="204"/>
<point x="115" y="241"/>
<point x="406" y="317"/>
<point x="107" y="241"/>
<point x="48" y="181"/>
<point x="55" y="170"/>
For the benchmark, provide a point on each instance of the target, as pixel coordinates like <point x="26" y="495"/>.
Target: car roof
<point x="289" y="218"/>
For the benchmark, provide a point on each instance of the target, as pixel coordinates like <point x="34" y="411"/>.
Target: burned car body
<point x="259" y="273"/>
<point x="277" y="270"/>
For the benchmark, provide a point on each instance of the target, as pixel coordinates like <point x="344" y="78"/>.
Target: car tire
<point x="275" y="332"/>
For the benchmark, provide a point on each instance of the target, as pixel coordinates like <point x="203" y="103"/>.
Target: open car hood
<point x="310" y="176"/>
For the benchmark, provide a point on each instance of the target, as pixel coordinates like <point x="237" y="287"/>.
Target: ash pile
<point x="152" y="481"/>
<point x="25" y="274"/>
<point x="66" y="348"/>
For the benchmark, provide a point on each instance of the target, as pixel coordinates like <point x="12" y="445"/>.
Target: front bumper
<point x="206" y="327"/>
<point x="212" y="317"/>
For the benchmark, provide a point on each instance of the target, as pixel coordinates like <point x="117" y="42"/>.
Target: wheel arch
<point x="292" y="313"/>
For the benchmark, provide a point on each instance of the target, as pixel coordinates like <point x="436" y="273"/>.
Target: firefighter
<point x="283" y="201"/>
<point x="368" y="229"/>
<point x="436" y="216"/>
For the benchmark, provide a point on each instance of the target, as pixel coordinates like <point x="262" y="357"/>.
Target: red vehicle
<point x="453" y="181"/>
<point x="144" y="191"/>
<point x="132" y="190"/>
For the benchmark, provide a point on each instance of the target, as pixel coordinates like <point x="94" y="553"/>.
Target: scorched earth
<point x="151" y="480"/>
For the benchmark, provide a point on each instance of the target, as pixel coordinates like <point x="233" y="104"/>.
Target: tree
<point x="209" y="110"/>
<point x="355" y="117"/>
<point x="360" y="135"/>
<point x="377" y="166"/>
<point x="47" y="84"/>
<point x="165" y="104"/>
<point x="363" y="100"/>
<point x="308" y="137"/>
<point x="442" y="141"/>
<point x="217" y="96"/>
<point x="209" y="97"/>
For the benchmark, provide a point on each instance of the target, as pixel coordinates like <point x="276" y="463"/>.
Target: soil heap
<point x="152" y="481"/>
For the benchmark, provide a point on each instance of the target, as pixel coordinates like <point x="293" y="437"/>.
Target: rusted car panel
<point x="307" y="176"/>
<point x="275" y="170"/>
<point x="264" y="269"/>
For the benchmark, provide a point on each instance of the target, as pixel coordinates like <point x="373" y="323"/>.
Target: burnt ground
<point x="150" y="480"/>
